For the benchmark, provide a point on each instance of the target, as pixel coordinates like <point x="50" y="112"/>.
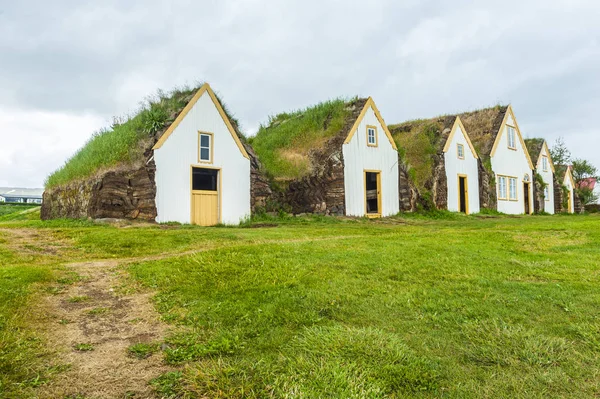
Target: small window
<point x="512" y="192"/>
<point x="204" y="179"/>
<point x="371" y="136"/>
<point x="512" y="137"/>
<point x="502" y="188"/>
<point x="205" y="147"/>
<point x="461" y="151"/>
<point x="546" y="193"/>
<point x="545" y="163"/>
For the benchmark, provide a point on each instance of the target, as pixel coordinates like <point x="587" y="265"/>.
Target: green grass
<point x="125" y="142"/>
<point x="83" y="347"/>
<point x="283" y="144"/>
<point x="438" y="305"/>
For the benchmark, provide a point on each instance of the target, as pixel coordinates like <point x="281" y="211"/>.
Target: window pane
<point x="204" y="140"/>
<point x="205" y="154"/>
<point x="204" y="179"/>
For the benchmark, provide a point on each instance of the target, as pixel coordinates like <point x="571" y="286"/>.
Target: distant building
<point x="21" y="195"/>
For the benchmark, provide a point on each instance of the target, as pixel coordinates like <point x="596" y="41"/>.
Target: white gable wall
<point x="358" y="157"/>
<point x="548" y="177"/>
<point x="180" y="151"/>
<point x="456" y="166"/>
<point x="512" y="163"/>
<point x="567" y="184"/>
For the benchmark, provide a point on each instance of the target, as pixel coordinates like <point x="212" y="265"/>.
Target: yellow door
<point x="205" y="208"/>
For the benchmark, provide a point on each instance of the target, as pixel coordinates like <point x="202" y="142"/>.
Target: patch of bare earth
<point x="92" y="325"/>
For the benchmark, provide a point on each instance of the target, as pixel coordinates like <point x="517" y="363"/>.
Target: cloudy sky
<point x="66" y="68"/>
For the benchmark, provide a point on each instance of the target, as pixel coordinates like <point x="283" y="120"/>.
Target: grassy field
<point x="459" y="307"/>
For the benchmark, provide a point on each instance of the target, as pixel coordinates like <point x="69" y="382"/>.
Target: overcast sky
<point x="67" y="68"/>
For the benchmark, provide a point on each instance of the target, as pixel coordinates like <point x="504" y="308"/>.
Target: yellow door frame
<point x="466" y="193"/>
<point x="378" y="173"/>
<point x="529" y="196"/>
<point x="192" y="192"/>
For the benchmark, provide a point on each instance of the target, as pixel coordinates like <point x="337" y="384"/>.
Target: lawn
<point x="457" y="307"/>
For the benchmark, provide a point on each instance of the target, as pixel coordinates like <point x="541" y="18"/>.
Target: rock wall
<point x="439" y="182"/>
<point x="261" y="194"/>
<point x="123" y="194"/>
<point x="407" y="192"/>
<point x="322" y="192"/>
<point x="538" y="196"/>
<point x="487" y="188"/>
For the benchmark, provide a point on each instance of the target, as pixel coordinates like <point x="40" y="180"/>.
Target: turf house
<point x="336" y="158"/>
<point x="565" y="200"/>
<point x="180" y="159"/>
<point x="543" y="188"/>
<point x="505" y="168"/>
<point x="440" y="167"/>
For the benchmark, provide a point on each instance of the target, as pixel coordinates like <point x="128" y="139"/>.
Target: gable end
<point x="508" y="113"/>
<point x="458" y="123"/>
<point x="368" y="104"/>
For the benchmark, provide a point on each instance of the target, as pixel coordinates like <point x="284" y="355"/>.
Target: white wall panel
<point x="548" y="177"/>
<point x="180" y="151"/>
<point x="358" y="157"/>
<point x="456" y="166"/>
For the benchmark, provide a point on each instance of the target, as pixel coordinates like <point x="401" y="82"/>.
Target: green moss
<point x="283" y="144"/>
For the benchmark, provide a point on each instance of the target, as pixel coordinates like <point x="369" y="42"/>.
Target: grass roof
<point x="285" y="144"/>
<point x="534" y="147"/>
<point x="483" y="126"/>
<point x="418" y="141"/>
<point x="128" y="141"/>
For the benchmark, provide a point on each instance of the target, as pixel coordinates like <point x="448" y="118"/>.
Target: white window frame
<point x="547" y="193"/>
<point x="502" y="188"/>
<point x="374" y="130"/>
<point x="209" y="147"/>
<point x="545" y="163"/>
<point x="511" y="133"/>
<point x="512" y="180"/>
<point x="459" y="148"/>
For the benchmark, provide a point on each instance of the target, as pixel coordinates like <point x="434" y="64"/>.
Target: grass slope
<point x="458" y="307"/>
<point x="283" y="144"/>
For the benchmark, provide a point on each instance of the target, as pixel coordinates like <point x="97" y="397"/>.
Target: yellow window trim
<point x="212" y="146"/>
<point x="192" y="192"/>
<point x="509" y="112"/>
<point x="370" y="104"/>
<point x="458" y="123"/>
<point x="367" y="133"/>
<point x="545" y="165"/>
<point x="547" y="197"/>
<point x="507" y="198"/>
<point x="379" y="195"/>
<point x="549" y="156"/>
<point x="458" y="146"/>
<point x="204" y="89"/>
<point x="508" y="137"/>
<point x="466" y="194"/>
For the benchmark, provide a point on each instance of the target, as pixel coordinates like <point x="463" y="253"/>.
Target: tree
<point x="560" y="153"/>
<point x="583" y="170"/>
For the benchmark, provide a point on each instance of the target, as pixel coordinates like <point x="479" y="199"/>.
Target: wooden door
<point x="463" y="194"/>
<point x="373" y="193"/>
<point x="526" y="198"/>
<point x="205" y="197"/>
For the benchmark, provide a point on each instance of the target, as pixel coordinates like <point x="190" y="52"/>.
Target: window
<point x="512" y="136"/>
<point x="546" y="193"/>
<point x="545" y="163"/>
<point x="461" y="151"/>
<point x="502" y="188"/>
<point x="204" y="179"/>
<point x="205" y="147"/>
<point x="512" y="192"/>
<point x="371" y="136"/>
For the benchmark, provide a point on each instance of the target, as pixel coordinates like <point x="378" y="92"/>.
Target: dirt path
<point x="93" y="325"/>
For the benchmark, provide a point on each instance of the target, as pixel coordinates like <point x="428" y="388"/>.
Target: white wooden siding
<point x="455" y="167"/>
<point x="180" y="151"/>
<point x="512" y="163"/>
<point x="358" y="157"/>
<point x="548" y="177"/>
<point x="567" y="184"/>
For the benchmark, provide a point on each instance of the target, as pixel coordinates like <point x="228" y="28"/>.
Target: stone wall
<point x="439" y="182"/>
<point x="322" y="192"/>
<point x="487" y="188"/>
<point x="261" y="194"/>
<point x="123" y="194"/>
<point x="539" y="201"/>
<point x="407" y="192"/>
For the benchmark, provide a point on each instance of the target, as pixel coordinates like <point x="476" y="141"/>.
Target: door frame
<point x="219" y="185"/>
<point x="379" y="190"/>
<point x="466" y="177"/>
<point x="529" y="197"/>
